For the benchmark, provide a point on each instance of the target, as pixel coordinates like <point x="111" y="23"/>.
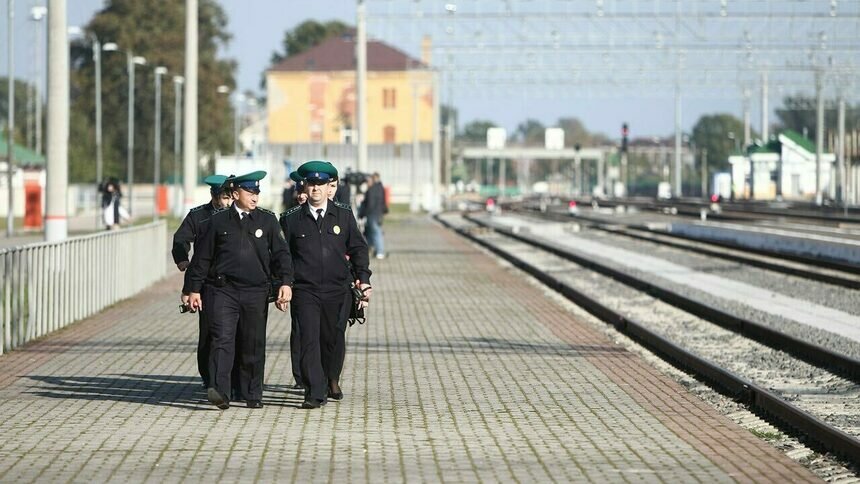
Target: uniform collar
<point x="311" y="210"/>
<point x="239" y="211"/>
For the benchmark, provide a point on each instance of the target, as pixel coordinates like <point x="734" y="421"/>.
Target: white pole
<point x="819" y="135"/>
<point x="190" y="131"/>
<point x="156" y="174"/>
<point x="413" y="175"/>
<point x="840" y="149"/>
<point x="437" y="152"/>
<point x="130" y="143"/>
<point x="747" y="128"/>
<point x="38" y="88"/>
<point x="10" y="125"/>
<point x="677" y="191"/>
<point x="56" y="224"/>
<point x="765" y="128"/>
<point x="177" y="144"/>
<point x="97" y="59"/>
<point x="361" y="83"/>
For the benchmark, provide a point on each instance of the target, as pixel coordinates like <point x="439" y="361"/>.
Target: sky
<point x="258" y="27"/>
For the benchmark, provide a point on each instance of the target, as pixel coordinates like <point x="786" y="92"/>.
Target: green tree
<point x="719" y="134"/>
<point x="306" y="35"/>
<point x="161" y="39"/>
<point x="576" y="133"/>
<point x="20" y="110"/>
<point x="530" y="132"/>
<point x="475" y="131"/>
<point x="798" y="113"/>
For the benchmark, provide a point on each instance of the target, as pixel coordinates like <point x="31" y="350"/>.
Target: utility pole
<point x="437" y="153"/>
<point x="38" y="15"/>
<point x="676" y="190"/>
<point x="190" y="131"/>
<point x="177" y="144"/>
<point x="765" y="129"/>
<point x="705" y="174"/>
<point x="360" y="83"/>
<point x="56" y="223"/>
<point x="156" y="172"/>
<point x="819" y="134"/>
<point x="10" y="123"/>
<point x="415" y="202"/>
<point x="747" y="129"/>
<point x="840" y="149"/>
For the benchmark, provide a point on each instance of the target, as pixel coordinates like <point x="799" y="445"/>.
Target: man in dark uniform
<point x="321" y="233"/>
<point x="240" y="251"/>
<point x="189" y="232"/>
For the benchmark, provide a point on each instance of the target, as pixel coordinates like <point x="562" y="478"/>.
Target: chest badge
<point x="336" y="229"/>
<point x="258" y="233"/>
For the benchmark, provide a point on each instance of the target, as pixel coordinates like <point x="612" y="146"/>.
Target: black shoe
<point x="217" y="399"/>
<point x="310" y="403"/>
<point x="255" y="404"/>
<point x="334" y="391"/>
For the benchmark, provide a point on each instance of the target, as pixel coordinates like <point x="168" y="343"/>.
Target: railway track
<point x="828" y="272"/>
<point x="689" y="345"/>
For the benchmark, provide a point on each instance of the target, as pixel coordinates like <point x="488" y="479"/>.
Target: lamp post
<point x="131" y="61"/>
<point x="10" y="123"/>
<point x="156" y="173"/>
<point x="97" y="61"/>
<point x="178" y="81"/>
<point x="38" y="13"/>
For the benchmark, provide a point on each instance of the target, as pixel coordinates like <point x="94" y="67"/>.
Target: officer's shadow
<point x="164" y="390"/>
<point x="283" y="395"/>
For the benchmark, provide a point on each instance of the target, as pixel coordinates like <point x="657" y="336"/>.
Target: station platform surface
<point x="464" y="372"/>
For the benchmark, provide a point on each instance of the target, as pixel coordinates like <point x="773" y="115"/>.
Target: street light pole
<point x="131" y="60"/>
<point x="156" y="175"/>
<point x="97" y="60"/>
<point x="10" y="124"/>
<point x="177" y="141"/>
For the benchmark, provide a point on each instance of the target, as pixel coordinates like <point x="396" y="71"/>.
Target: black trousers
<point x="332" y="366"/>
<point x="322" y="339"/>
<point x="237" y="325"/>
<point x="204" y="345"/>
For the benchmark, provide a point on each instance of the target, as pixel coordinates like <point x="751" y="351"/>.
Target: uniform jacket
<point x="189" y="231"/>
<point x="246" y="253"/>
<point x="319" y="253"/>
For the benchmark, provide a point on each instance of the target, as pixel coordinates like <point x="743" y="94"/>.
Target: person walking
<point x="239" y="254"/>
<point x="189" y="232"/>
<point x="373" y="209"/>
<point x="321" y="234"/>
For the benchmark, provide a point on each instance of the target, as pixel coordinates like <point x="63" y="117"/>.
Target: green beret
<point x="317" y="170"/>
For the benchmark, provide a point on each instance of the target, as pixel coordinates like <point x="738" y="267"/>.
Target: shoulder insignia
<point x="344" y="206"/>
<point x="267" y="211"/>
<point x="221" y="210"/>
<point x="200" y="207"/>
<point x="291" y="211"/>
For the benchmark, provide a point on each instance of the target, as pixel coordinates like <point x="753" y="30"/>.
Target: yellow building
<point x="311" y="96"/>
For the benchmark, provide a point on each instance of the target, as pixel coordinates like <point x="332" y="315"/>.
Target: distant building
<point x="311" y="96"/>
<point x="786" y="164"/>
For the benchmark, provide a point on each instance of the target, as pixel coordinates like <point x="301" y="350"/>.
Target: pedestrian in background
<point x="321" y="233"/>
<point x="240" y="251"/>
<point x="189" y="232"/>
<point x="373" y="209"/>
<point x="113" y="213"/>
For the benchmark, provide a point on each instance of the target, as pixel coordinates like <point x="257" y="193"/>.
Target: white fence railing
<point x="47" y="286"/>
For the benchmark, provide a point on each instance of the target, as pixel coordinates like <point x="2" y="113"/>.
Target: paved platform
<point x="465" y="372"/>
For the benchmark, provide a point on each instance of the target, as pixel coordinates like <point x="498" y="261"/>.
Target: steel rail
<point x="770" y="262"/>
<point x="787" y="416"/>
<point x="809" y="352"/>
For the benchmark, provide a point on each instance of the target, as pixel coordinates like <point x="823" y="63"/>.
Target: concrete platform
<point x="464" y="372"/>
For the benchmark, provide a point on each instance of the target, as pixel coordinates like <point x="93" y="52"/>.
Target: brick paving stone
<point x="465" y="372"/>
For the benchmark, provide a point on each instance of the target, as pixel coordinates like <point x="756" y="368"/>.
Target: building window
<point x="389" y="98"/>
<point x="388" y="134"/>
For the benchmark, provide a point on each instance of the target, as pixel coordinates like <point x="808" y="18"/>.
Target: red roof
<point x="338" y="54"/>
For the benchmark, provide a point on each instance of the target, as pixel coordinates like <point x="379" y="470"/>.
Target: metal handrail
<point x="49" y="285"/>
